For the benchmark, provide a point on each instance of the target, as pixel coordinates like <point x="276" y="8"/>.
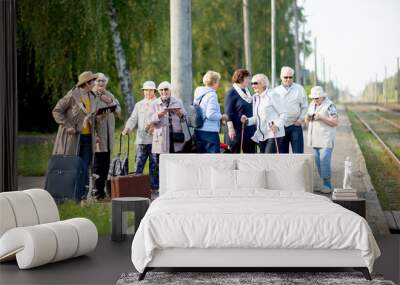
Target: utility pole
<point x="304" y="55"/>
<point x="296" y="43"/>
<point x="376" y="88"/>
<point x="398" y="80"/>
<point x="246" y="34"/>
<point x="273" y="56"/>
<point x="385" y="86"/>
<point x="323" y="72"/>
<point x="315" y="63"/>
<point x="181" y="50"/>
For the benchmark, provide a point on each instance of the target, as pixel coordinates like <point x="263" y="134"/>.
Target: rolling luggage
<point x="124" y="184"/>
<point x="65" y="176"/>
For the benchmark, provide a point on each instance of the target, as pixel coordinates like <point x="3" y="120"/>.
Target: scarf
<point x="245" y="96"/>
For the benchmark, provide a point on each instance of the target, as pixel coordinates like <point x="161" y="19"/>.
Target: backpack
<point x="195" y="114"/>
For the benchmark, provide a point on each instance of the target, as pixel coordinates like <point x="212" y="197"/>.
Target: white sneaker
<point x="326" y="190"/>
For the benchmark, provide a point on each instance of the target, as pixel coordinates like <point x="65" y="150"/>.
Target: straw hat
<point x="317" y="92"/>
<point x="149" y="85"/>
<point x="85" y="76"/>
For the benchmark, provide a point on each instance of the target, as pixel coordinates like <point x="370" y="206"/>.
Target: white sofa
<point x="31" y="231"/>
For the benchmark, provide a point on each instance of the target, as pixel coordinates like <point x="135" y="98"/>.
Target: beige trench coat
<point x="161" y="126"/>
<point x="105" y="124"/>
<point x="68" y="113"/>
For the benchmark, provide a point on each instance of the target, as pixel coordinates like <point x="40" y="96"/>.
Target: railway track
<point x="384" y="145"/>
<point x="387" y="121"/>
<point x="392" y="217"/>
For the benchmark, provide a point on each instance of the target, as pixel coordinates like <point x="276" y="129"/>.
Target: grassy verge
<point x="384" y="174"/>
<point x="32" y="159"/>
<point x="98" y="213"/>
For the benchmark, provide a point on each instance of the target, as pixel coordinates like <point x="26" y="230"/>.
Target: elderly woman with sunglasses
<point x="322" y="119"/>
<point x="168" y="116"/>
<point x="269" y="116"/>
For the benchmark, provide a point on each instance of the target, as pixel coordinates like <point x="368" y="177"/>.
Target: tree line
<point x="58" y="39"/>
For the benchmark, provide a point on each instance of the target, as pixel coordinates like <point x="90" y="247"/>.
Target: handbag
<point x="178" y="137"/>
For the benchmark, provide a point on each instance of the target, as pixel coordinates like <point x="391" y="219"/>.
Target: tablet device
<point x="103" y="110"/>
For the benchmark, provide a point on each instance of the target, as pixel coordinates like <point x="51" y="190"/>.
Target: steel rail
<point x="387" y="121"/>
<point x="388" y="150"/>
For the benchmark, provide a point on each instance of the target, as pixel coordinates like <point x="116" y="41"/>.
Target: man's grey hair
<point x="102" y="76"/>
<point x="287" y="68"/>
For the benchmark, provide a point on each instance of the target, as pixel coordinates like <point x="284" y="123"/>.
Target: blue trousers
<point x="143" y="152"/>
<point x="85" y="152"/>
<point x="323" y="157"/>
<point x="294" y="137"/>
<point x="207" y="142"/>
<point x="268" y="146"/>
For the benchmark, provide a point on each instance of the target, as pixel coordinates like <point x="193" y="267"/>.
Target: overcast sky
<point x="356" y="37"/>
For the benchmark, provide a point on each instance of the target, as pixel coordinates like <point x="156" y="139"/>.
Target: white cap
<point x="317" y="92"/>
<point x="149" y="85"/>
<point x="164" y="84"/>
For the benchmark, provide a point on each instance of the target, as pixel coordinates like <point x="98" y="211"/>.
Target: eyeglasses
<point x="288" y="77"/>
<point x="254" y="83"/>
<point x="100" y="80"/>
<point x="164" y="89"/>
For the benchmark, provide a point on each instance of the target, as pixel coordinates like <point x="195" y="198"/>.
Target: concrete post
<point x="273" y="55"/>
<point x="296" y="43"/>
<point x="315" y="63"/>
<point x="246" y="35"/>
<point x="181" y="50"/>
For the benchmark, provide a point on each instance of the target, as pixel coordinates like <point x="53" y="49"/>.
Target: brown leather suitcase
<point x="130" y="186"/>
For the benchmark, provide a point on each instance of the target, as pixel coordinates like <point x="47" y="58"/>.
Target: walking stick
<point x="241" y="139"/>
<point x="275" y="139"/>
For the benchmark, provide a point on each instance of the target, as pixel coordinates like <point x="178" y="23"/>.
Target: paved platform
<point x="347" y="145"/>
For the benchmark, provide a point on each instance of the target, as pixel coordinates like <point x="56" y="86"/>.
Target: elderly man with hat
<point x="322" y="118"/>
<point x="138" y="120"/>
<point x="75" y="115"/>
<point x="105" y="128"/>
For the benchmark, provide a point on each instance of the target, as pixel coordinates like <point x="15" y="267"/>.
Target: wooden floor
<point x="110" y="260"/>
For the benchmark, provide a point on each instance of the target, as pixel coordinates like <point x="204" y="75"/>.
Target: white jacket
<point x="140" y="117"/>
<point x="320" y="134"/>
<point x="295" y="100"/>
<point x="267" y="108"/>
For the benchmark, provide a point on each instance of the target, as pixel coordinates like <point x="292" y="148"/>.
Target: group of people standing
<point x="271" y="119"/>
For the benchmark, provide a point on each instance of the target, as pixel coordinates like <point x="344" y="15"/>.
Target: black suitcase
<point x="65" y="176"/>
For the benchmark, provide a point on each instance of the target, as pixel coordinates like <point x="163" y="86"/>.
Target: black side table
<point x="120" y="209"/>
<point x="356" y="205"/>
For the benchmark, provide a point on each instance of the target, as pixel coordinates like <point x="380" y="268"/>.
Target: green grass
<point x="32" y="159"/>
<point x="98" y="213"/>
<point x="385" y="175"/>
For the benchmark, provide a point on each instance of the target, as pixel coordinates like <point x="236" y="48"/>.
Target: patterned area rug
<point x="229" y="278"/>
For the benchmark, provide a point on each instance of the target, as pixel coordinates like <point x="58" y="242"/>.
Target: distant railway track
<point x="388" y="121"/>
<point x="384" y="145"/>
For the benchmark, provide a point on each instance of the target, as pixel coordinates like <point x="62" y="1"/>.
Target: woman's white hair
<point x="102" y="76"/>
<point x="287" y="68"/>
<point x="261" y="78"/>
<point x="211" y="77"/>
